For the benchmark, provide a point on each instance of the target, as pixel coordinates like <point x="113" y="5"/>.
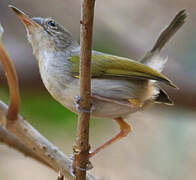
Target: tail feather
<point x="152" y="57"/>
<point x="155" y="61"/>
<point x="170" y="30"/>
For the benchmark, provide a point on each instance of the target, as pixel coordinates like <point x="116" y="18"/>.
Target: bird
<point x="119" y="86"/>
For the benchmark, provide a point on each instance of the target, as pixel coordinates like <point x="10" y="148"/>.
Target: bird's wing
<point x="109" y="66"/>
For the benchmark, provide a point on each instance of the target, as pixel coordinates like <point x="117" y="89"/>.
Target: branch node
<point x="77" y="150"/>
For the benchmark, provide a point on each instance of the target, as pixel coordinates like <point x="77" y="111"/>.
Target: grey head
<point x="46" y="33"/>
<point x="60" y="37"/>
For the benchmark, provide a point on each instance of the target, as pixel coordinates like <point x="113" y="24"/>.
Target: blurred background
<point x="162" y="145"/>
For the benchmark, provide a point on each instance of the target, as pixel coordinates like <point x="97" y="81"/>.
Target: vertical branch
<point x="82" y="141"/>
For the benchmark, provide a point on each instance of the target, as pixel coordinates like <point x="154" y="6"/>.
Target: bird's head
<point x="45" y="33"/>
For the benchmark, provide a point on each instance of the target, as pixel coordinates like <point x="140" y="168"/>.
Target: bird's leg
<point x="77" y="100"/>
<point x="125" y="128"/>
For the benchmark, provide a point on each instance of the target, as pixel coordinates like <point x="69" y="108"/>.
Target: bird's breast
<point x="55" y="74"/>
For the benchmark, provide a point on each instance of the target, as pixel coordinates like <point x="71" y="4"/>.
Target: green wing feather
<point x="109" y="66"/>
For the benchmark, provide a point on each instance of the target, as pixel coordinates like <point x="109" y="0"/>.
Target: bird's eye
<point x="51" y="23"/>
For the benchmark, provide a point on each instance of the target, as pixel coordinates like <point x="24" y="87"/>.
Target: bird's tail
<point x="152" y="58"/>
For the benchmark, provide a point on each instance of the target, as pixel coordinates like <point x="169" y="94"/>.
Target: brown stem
<point x="12" y="83"/>
<point x="81" y="149"/>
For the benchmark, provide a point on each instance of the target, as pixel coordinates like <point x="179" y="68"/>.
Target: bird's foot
<point x="77" y="101"/>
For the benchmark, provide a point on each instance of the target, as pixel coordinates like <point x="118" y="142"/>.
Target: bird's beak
<point x="28" y="22"/>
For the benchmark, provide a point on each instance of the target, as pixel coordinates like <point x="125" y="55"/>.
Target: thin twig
<point x="81" y="149"/>
<point x="12" y="81"/>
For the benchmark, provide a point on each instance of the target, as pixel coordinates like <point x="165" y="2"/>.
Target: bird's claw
<point x="77" y="100"/>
